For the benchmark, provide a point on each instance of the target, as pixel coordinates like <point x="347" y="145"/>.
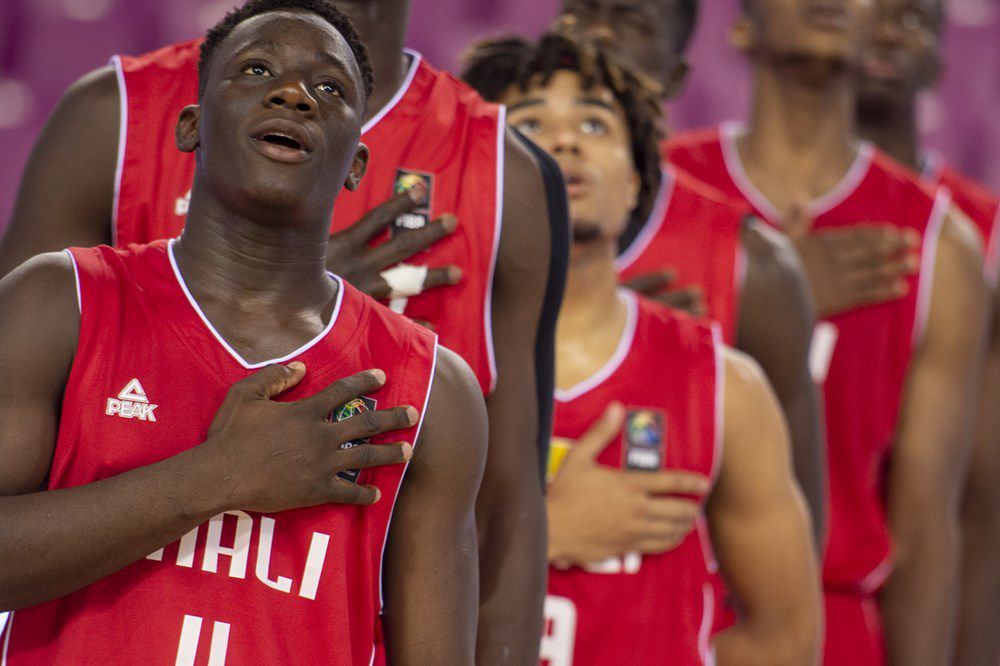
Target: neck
<point x="893" y="128"/>
<point x="238" y="261"/>
<point x="591" y="289"/>
<point x="801" y="138"/>
<point x="382" y="25"/>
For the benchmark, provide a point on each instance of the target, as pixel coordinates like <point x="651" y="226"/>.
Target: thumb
<point x="601" y="433"/>
<point x="799" y="221"/>
<point x="275" y="379"/>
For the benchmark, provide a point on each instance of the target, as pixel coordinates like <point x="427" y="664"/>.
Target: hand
<point x="657" y="286"/>
<point x="597" y="512"/>
<point x="351" y="256"/>
<point x="272" y="456"/>
<point x="853" y="266"/>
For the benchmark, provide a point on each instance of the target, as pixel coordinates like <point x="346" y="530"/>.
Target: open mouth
<point x="281" y="140"/>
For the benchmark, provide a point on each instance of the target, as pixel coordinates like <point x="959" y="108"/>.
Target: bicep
<point x="758" y="521"/>
<point x="431" y="590"/>
<point x="37" y="341"/>
<point x="66" y="192"/>
<point x="933" y="441"/>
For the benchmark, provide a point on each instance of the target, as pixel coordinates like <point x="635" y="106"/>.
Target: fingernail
<point x="407" y="451"/>
<point x="412" y="415"/>
<point x="902" y="288"/>
<point x="616" y="409"/>
<point x="297" y="365"/>
<point x="449" y="222"/>
<point x="454" y="274"/>
<point x="378" y="375"/>
<point x="378" y="495"/>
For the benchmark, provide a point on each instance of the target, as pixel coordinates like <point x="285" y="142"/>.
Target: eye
<point x="256" y="69"/>
<point x="330" y="88"/>
<point x="528" y="126"/>
<point x="594" y="126"/>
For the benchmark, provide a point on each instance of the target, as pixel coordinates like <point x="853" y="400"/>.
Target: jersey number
<point x="560" y="632"/>
<point x="191" y="636"/>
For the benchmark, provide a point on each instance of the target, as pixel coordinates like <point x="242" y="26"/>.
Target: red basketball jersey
<point x="874" y="344"/>
<point x="693" y="230"/>
<point x="643" y="609"/>
<point x="977" y="202"/>
<point x="435" y="129"/>
<point x="299" y="586"/>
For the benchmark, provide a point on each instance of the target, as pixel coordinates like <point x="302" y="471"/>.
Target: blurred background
<point x="45" y="45"/>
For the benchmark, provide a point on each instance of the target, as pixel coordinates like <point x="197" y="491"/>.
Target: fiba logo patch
<point x="421" y="215"/>
<point x="346" y="411"/>
<point x="644" y="440"/>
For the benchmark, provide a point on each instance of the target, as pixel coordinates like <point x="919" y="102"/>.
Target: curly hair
<point x="493" y="66"/>
<point x="321" y="8"/>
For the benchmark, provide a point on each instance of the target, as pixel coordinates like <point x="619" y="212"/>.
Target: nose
<point x="566" y="143"/>
<point x="887" y="30"/>
<point x="291" y="94"/>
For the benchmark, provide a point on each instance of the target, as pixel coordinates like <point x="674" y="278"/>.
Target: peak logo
<point x="131" y="403"/>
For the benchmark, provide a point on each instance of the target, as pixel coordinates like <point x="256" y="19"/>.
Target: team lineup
<point x="314" y="353"/>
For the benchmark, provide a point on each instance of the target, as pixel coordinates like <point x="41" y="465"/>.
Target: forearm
<point x="920" y="600"/>
<point x="513" y="567"/>
<point x="55" y="542"/>
<point x="744" y="644"/>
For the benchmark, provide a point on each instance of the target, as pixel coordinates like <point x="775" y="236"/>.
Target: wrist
<point x="200" y="488"/>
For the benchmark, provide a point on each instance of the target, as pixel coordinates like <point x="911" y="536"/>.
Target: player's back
<point x="693" y="230"/>
<point x="866" y="375"/>
<point x="635" y="608"/>
<point x="435" y="129"/>
<point x="148" y="376"/>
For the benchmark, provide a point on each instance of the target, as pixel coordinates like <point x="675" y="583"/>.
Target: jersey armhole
<point x="718" y="348"/>
<point x="928" y="260"/>
<point x="116" y="62"/>
<point x="76" y="280"/>
<point x="491" y="356"/>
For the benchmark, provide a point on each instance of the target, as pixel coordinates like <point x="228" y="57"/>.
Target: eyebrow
<point x="595" y="101"/>
<point x="533" y="101"/>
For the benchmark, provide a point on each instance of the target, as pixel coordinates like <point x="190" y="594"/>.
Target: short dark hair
<point x="321" y="8"/>
<point x="492" y="66"/>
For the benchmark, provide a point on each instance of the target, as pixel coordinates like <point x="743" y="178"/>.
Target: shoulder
<point x="39" y="304"/>
<point x="770" y="253"/>
<point x="525" y="239"/>
<point x="960" y="241"/>
<point x="455" y="419"/>
<point x="93" y="96"/>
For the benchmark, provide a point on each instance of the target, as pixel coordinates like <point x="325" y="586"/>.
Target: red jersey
<point x="435" y="129"/>
<point x="694" y="230"/>
<point x="874" y="344"/>
<point x="299" y="586"/>
<point x="643" y="609"/>
<point x="979" y="204"/>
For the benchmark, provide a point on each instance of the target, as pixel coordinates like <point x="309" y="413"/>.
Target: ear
<point x="677" y="78"/>
<point x="186" y="131"/>
<point x="741" y="34"/>
<point x="358" y="168"/>
<point x="634" y="185"/>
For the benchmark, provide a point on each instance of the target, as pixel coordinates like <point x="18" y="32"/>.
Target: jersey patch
<point x="346" y="411"/>
<point x="131" y="403"/>
<point x="643" y="440"/>
<point x="419" y="217"/>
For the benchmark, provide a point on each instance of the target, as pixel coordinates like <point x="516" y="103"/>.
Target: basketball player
<point x="686" y="401"/>
<point x="903" y="373"/>
<point x="425" y="130"/>
<point x="193" y="447"/>
<point x="903" y="60"/>
<point x="748" y="275"/>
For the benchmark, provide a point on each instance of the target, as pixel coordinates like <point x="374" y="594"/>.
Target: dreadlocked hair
<point x="493" y="66"/>
<point x="322" y="8"/>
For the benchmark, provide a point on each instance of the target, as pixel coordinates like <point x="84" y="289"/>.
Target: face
<point x="904" y="54"/>
<point x="585" y="130"/>
<point x="278" y="124"/>
<point x="643" y="33"/>
<point x="831" y="30"/>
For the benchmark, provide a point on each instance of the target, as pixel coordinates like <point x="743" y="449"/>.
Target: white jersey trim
<point x="728" y="134"/>
<point x="613" y="363"/>
<point x="932" y="165"/>
<point x="9" y="618"/>
<point x="718" y="348"/>
<point x="225" y="345"/>
<point x="928" y="259"/>
<point x="415" y="59"/>
<point x="491" y="355"/>
<point x="657" y="217"/>
<point x="116" y="62"/>
<point x="705" y="649"/>
<point x="416" y="438"/>
<point x="76" y="279"/>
